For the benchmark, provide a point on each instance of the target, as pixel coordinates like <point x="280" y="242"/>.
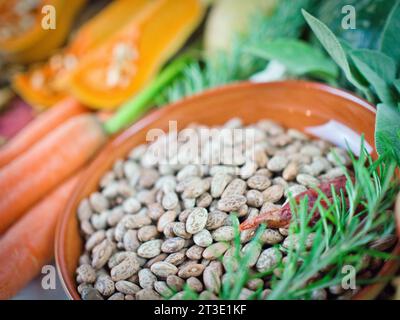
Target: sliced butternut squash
<point x="123" y="65"/>
<point x="43" y="85"/>
<point x="23" y="38"/>
<point x="105" y="23"/>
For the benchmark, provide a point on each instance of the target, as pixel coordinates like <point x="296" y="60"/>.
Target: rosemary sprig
<point x="348" y="235"/>
<point x="342" y="236"/>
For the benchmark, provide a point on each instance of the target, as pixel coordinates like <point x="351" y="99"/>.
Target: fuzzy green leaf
<point x="379" y="71"/>
<point x="387" y="131"/>
<point x="390" y="39"/>
<point x="383" y="65"/>
<point x="333" y="47"/>
<point x="299" y="57"/>
<point x="396" y="84"/>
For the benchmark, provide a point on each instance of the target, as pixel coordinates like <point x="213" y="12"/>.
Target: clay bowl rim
<point x="61" y="265"/>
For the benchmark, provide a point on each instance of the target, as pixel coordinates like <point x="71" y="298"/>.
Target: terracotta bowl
<point x="295" y="104"/>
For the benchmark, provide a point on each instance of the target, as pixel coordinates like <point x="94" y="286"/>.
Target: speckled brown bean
<point x="224" y="233"/>
<point x="125" y="268"/>
<point x="84" y="210"/>
<point x="131" y="205"/>
<point x="211" y="279"/>
<point x="175" y="283"/>
<point x="169" y="230"/>
<point x="191" y="270"/>
<point x="179" y="230"/>
<point x="162" y="289"/>
<point x="101" y="253"/>
<point x="95" y="239"/>
<point x="163" y="269"/>
<point x="131" y="241"/>
<point x="105" y="285"/>
<point x="194" y="284"/>
<point x="170" y="201"/>
<point x="307" y="180"/>
<point x="90" y="293"/>
<point x="268" y="259"/>
<point x="166" y="218"/>
<point x="215" y="251"/>
<point x="155" y="211"/>
<point x="254" y="198"/>
<point x="252" y="250"/>
<point x="231" y="203"/>
<point x="204" y="200"/>
<point x="184" y="215"/>
<point x="255" y="284"/>
<point x="196" y="220"/>
<point x="236" y="187"/>
<point x="219" y="183"/>
<point x="273" y="193"/>
<point x="146" y="278"/>
<point x="248" y="169"/>
<point x="246" y="294"/>
<point x="172" y="245"/>
<point x="147" y="294"/>
<point x="203" y="238"/>
<point x="291" y="171"/>
<point x="277" y="163"/>
<point x="98" y="202"/>
<point x="127" y="287"/>
<point x="215" y="219"/>
<point x="194" y="252"/>
<point x="86" y="227"/>
<point x="207" y="295"/>
<point x="147" y="233"/>
<point x="150" y="249"/>
<point x="86" y="274"/>
<point x="295" y="190"/>
<point x="150" y="262"/>
<point x="136" y="221"/>
<point x="271" y="237"/>
<point x="176" y="258"/>
<point x="195" y="188"/>
<point x="259" y="182"/>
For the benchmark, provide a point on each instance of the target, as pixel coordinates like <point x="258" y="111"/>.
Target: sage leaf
<point x="387" y="130"/>
<point x="297" y="56"/>
<point x="378" y="69"/>
<point x="396" y="84"/>
<point x="390" y="38"/>
<point x="333" y="47"/>
<point x="383" y="65"/>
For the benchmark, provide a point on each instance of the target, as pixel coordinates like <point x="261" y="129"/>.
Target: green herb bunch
<point x="237" y="64"/>
<point x="375" y="73"/>
<point x="348" y="231"/>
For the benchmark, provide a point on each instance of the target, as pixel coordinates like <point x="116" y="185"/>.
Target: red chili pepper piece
<point x="279" y="218"/>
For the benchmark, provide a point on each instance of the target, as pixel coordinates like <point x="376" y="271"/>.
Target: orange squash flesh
<point x="37" y="87"/>
<point x="52" y="76"/>
<point x="35" y="43"/>
<point x="104" y="24"/>
<point x="9" y="19"/>
<point x="150" y="39"/>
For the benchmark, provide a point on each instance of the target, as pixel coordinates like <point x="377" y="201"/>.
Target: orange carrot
<point x="38" y="128"/>
<point x="29" y="244"/>
<point x="62" y="152"/>
<point x="48" y="163"/>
